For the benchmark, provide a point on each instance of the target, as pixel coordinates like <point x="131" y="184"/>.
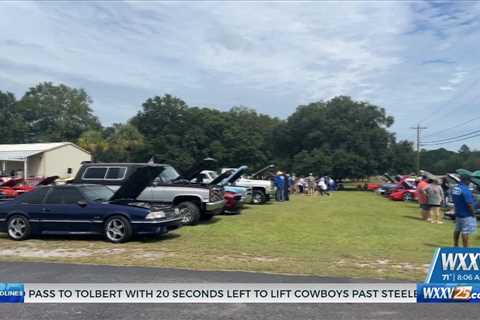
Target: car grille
<point x="216" y="194"/>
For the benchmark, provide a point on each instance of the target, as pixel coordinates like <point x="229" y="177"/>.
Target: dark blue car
<point x="88" y="209"/>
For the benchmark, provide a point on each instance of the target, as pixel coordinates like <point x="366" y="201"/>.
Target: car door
<point x="66" y="211"/>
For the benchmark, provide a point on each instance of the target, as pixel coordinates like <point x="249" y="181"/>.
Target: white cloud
<point x="272" y="56"/>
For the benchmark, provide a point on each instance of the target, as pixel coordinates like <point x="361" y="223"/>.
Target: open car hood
<point x="229" y="176"/>
<point x="47" y="181"/>
<point x="198" y="167"/>
<point x="11" y="183"/>
<point x="259" y="172"/>
<point x="137" y="182"/>
<point x="389" y="178"/>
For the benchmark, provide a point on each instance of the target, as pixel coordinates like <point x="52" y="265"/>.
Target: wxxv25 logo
<point x="454" y="276"/>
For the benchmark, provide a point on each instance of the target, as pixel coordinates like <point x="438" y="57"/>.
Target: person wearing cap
<point x="465" y="205"/>
<point x="280" y="185"/>
<point x="311" y="184"/>
<point x="435" y="198"/>
<point x="422" y="198"/>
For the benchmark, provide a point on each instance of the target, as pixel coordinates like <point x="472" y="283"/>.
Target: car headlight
<point x="155" y="215"/>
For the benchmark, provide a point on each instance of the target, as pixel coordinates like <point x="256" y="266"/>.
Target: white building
<point x="61" y="159"/>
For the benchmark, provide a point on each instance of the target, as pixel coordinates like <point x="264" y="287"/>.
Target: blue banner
<point x="455" y="265"/>
<point x="12" y="293"/>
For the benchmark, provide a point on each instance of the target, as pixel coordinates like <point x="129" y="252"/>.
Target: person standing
<point x="279" y="184"/>
<point x="286" y="187"/>
<point x="435" y="198"/>
<point x="445" y="188"/>
<point x="311" y="184"/>
<point x="465" y="205"/>
<point x="322" y="187"/>
<point x="422" y="199"/>
<point x="301" y="184"/>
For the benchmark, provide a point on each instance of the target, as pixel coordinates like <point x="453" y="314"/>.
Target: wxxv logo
<point x="435" y="293"/>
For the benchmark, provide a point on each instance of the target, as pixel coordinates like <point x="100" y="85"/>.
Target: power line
<point x="452" y="127"/>
<point x="429" y="117"/>
<point x="452" y="138"/>
<point x="452" y="141"/>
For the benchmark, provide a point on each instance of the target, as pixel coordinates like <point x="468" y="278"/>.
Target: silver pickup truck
<point x="194" y="200"/>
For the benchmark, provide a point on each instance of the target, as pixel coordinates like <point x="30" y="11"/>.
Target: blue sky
<point x="418" y="60"/>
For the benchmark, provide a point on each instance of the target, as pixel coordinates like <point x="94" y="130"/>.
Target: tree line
<point x="339" y="137"/>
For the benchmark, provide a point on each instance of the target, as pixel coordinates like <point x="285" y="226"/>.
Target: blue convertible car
<point x="89" y="209"/>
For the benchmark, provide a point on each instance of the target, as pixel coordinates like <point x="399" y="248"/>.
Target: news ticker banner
<point x="454" y="276"/>
<point x="206" y="293"/>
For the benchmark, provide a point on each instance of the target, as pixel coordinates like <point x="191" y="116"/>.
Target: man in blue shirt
<point x="280" y="185"/>
<point x="465" y="205"/>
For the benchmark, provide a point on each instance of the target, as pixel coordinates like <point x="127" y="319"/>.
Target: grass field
<point x="350" y="234"/>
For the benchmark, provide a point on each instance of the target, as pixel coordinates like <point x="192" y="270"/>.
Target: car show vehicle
<point x="206" y="176"/>
<point x="386" y="188"/>
<point x="405" y="190"/>
<point x="74" y="209"/>
<point x="15" y="187"/>
<point x="194" y="200"/>
<point x="263" y="190"/>
<point x="233" y="202"/>
<point x="7" y="188"/>
<point x="227" y="180"/>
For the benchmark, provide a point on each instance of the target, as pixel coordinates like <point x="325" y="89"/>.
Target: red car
<point x="405" y="191"/>
<point x="7" y="190"/>
<point x="232" y="202"/>
<point x="15" y="187"/>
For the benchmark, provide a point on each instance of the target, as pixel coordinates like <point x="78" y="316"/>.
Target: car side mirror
<point x="82" y="203"/>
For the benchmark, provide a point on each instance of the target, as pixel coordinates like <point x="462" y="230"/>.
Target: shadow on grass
<point x="414" y="218"/>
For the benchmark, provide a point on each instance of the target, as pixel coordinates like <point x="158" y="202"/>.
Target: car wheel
<point x="207" y="217"/>
<point x="258" y="197"/>
<point x="190" y="213"/>
<point x="407" y="197"/>
<point x="118" y="229"/>
<point x="19" y="228"/>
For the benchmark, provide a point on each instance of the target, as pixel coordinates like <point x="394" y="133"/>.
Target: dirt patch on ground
<point x="383" y="265"/>
<point x="32" y="252"/>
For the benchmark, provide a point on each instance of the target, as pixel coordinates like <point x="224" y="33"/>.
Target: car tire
<point x="407" y="196"/>
<point x="190" y="213"/>
<point x="258" y="197"/>
<point x="19" y="228"/>
<point x="207" y="217"/>
<point x="117" y="229"/>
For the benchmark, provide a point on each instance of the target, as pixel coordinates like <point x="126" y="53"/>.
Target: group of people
<point x="286" y="184"/>
<point x="283" y="186"/>
<point x="310" y="185"/>
<point x="432" y="196"/>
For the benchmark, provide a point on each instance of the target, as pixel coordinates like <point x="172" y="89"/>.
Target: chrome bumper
<point x="214" y="207"/>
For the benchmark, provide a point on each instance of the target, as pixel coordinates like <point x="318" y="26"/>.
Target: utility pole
<point x="419" y="132"/>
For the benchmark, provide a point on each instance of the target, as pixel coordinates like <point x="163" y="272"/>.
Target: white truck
<point x="261" y="182"/>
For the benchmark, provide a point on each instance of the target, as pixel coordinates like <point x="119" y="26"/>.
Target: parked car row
<point x="398" y="188"/>
<point x="120" y="200"/>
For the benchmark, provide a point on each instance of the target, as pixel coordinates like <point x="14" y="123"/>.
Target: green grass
<point x="350" y="234"/>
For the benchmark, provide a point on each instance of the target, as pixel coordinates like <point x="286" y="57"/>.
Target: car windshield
<point x="97" y="193"/>
<point x="168" y="175"/>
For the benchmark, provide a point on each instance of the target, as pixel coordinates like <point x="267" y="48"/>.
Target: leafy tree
<point x="94" y="142"/>
<point x="353" y="134"/>
<point x="125" y="142"/>
<point x="56" y="113"/>
<point x="12" y="128"/>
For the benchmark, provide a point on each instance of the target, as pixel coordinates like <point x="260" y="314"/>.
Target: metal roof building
<point x="41" y="159"/>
